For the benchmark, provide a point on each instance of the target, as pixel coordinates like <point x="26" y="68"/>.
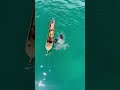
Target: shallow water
<point x="64" y="67"/>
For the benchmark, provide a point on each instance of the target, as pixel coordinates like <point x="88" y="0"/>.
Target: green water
<point x="64" y="67"/>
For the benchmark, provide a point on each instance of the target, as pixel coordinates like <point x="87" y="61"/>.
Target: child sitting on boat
<point x="49" y="40"/>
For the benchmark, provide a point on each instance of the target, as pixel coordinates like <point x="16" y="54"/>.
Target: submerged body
<point x="60" y="37"/>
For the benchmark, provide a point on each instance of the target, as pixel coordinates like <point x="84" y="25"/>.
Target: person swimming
<point x="61" y="36"/>
<point x="56" y="40"/>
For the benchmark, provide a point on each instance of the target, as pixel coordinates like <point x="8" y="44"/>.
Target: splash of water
<point x="61" y="44"/>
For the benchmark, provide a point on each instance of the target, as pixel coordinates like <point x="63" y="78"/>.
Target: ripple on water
<point x="60" y="3"/>
<point x="66" y="13"/>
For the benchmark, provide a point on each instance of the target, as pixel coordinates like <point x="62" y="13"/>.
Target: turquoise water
<point x="64" y="67"/>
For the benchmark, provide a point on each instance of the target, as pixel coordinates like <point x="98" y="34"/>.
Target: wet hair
<point x="61" y="36"/>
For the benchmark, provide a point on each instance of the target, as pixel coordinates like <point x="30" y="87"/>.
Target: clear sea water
<point x="64" y="67"/>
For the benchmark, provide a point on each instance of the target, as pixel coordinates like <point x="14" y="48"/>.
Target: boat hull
<point x="48" y="45"/>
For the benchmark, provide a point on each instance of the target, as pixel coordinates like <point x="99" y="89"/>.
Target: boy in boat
<point x="51" y="32"/>
<point x="52" y="26"/>
<point x="49" y="40"/>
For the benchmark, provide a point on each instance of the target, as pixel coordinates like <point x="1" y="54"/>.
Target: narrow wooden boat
<point x="50" y="37"/>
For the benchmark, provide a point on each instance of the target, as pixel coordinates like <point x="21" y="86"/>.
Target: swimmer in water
<point x="60" y="36"/>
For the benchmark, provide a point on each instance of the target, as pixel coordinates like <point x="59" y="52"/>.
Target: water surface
<point x="64" y="67"/>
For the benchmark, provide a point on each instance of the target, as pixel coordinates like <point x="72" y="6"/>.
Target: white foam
<point x="61" y="44"/>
